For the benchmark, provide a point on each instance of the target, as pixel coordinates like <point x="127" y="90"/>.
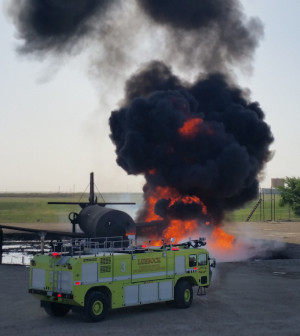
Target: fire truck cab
<point x="93" y="276"/>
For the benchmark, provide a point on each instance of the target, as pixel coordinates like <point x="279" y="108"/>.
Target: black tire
<point x="56" y="309"/>
<point x="183" y="296"/>
<point x="74" y="217"/>
<point x="96" y="306"/>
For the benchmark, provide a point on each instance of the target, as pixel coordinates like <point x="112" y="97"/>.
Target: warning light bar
<point x="56" y="254"/>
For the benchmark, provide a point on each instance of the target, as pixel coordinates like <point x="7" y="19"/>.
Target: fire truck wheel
<point x="183" y="294"/>
<point x="96" y="306"/>
<point x="56" y="309"/>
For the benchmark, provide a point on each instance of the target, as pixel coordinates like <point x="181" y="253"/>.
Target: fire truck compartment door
<point x="180" y="264"/>
<point x="166" y="290"/>
<point x="64" y="282"/>
<point x="147" y="293"/>
<point x="89" y="273"/>
<point x="131" y="295"/>
<point x="38" y="278"/>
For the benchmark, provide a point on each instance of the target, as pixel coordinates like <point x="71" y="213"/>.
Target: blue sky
<point x="54" y="115"/>
<point x="275" y="81"/>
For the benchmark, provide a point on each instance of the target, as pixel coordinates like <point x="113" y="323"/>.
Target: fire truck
<point x="94" y="275"/>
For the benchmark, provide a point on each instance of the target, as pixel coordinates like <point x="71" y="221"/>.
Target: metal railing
<point x="80" y="246"/>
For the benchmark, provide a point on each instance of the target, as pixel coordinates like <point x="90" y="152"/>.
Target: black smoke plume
<point x="201" y="35"/>
<point x="209" y="34"/>
<point x="56" y="25"/>
<point x="218" y="162"/>
<point x="152" y="77"/>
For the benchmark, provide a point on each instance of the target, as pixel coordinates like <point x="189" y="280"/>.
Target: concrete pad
<point x="245" y="298"/>
<point x="257" y="297"/>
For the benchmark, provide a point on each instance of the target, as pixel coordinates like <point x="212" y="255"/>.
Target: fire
<point x="189" y="200"/>
<point x="180" y="230"/>
<point x="183" y="229"/>
<point x="191" y="127"/>
<point x="220" y="239"/>
<point x="151" y="215"/>
<point x="172" y="195"/>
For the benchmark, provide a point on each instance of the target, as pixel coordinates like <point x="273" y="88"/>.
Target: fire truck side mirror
<point x="213" y="264"/>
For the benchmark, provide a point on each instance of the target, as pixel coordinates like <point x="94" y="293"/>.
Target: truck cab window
<point x="192" y="260"/>
<point x="202" y="259"/>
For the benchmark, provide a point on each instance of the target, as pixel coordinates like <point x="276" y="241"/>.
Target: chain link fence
<point x="266" y="208"/>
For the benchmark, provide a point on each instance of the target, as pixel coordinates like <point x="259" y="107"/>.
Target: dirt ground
<point x="257" y="297"/>
<point x="288" y="232"/>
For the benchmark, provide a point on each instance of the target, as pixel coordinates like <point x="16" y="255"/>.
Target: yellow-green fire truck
<point x="95" y="275"/>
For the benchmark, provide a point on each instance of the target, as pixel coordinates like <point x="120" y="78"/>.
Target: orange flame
<point x="151" y="215"/>
<point x="220" y="239"/>
<point x="191" y="127"/>
<point x="183" y="229"/>
<point x="180" y="230"/>
<point x="171" y="194"/>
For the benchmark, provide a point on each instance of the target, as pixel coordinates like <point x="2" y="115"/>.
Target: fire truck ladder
<point x="253" y="210"/>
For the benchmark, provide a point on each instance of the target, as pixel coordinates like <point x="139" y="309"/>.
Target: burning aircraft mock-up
<point x="95" y="220"/>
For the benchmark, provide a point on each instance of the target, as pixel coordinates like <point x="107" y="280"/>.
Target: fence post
<point x="274" y="205"/>
<point x="271" y="204"/>
<point x="1" y="244"/>
<point x="260" y="205"/>
<point x="263" y="193"/>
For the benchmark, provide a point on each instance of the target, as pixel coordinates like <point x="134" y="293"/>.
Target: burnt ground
<point x="260" y="296"/>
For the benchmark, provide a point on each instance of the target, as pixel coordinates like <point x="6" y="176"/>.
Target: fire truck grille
<point x="105" y="261"/>
<point x="105" y="269"/>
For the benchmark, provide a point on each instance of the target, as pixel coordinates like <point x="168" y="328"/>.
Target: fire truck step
<point x="201" y="291"/>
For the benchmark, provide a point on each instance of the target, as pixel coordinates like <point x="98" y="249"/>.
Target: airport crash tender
<point x="92" y="276"/>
